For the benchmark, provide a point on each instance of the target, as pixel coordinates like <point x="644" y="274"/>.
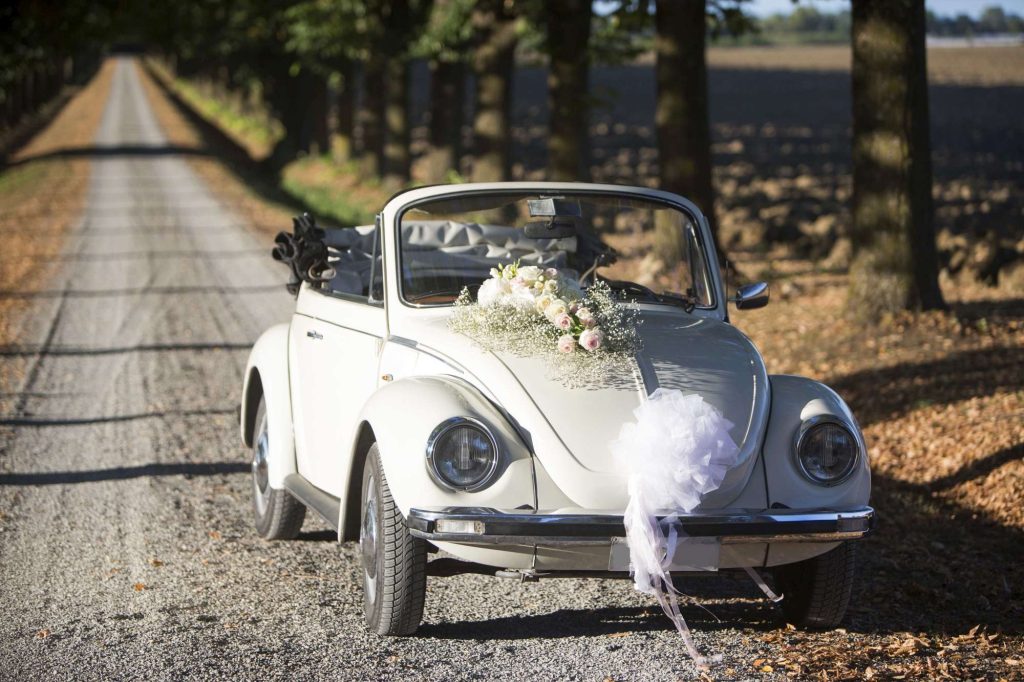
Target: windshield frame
<point x="695" y="218"/>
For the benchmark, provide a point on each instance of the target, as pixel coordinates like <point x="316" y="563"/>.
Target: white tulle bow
<point x="678" y="450"/>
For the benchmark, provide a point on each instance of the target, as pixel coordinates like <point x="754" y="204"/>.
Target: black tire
<point x="394" y="563"/>
<point x="817" y="591"/>
<point x="278" y="515"/>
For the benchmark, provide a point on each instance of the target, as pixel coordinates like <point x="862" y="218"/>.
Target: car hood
<point x="695" y="355"/>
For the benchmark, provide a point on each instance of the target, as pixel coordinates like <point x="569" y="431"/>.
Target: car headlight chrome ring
<point x="827" y="450"/>
<point x="462" y="454"/>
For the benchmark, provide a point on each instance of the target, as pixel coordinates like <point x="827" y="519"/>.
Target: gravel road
<point x="126" y="544"/>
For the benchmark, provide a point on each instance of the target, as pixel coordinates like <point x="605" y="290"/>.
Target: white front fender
<point x="404" y="413"/>
<point x="795" y="399"/>
<point x="266" y="376"/>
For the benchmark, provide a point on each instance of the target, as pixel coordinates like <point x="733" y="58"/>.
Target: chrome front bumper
<point x="480" y="525"/>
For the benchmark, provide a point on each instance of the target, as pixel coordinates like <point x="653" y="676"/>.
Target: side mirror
<point x="750" y="296"/>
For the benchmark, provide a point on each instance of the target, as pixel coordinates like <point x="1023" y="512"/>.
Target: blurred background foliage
<point x="421" y="91"/>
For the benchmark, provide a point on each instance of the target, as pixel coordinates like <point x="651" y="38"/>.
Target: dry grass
<point x="41" y="193"/>
<point x="968" y="66"/>
<point x="941" y="399"/>
<point x="336" y="195"/>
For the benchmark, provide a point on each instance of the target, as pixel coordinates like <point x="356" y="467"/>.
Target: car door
<point x="334" y="348"/>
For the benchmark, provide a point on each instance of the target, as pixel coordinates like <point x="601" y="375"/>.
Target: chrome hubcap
<point x="260" y="475"/>
<point x="368" y="541"/>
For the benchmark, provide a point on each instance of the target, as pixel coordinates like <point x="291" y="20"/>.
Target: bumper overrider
<point x="480" y="525"/>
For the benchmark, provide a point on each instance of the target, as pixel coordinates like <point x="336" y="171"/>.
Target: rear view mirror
<point x="559" y="227"/>
<point x="750" y="296"/>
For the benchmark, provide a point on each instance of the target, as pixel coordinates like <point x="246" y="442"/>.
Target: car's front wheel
<point x="277" y="514"/>
<point x="394" y="563"/>
<point x="816" y="592"/>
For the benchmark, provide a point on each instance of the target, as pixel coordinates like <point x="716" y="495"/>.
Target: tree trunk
<point x="494" y="62"/>
<point x="568" y="26"/>
<point x="681" y="115"/>
<point x="895" y="265"/>
<point x="291" y="96"/>
<point x="319" y="113"/>
<point x="345" y="127"/>
<point x="396" y="147"/>
<point x="447" y="97"/>
<point x="371" y="116"/>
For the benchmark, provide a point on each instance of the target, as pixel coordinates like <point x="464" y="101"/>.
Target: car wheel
<point x="278" y="515"/>
<point x="394" y="563"/>
<point x="817" y="591"/>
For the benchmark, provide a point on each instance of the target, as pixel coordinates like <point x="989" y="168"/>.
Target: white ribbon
<point x="678" y="450"/>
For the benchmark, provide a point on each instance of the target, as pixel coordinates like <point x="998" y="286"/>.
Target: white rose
<point x="522" y="299"/>
<point x="529" y="273"/>
<point x="492" y="291"/>
<point x="543" y="301"/>
<point x="555" y="308"/>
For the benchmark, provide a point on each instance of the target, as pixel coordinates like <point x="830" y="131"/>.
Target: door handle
<point x="315" y="335"/>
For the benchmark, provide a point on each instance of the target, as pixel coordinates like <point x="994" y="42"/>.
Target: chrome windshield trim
<point x="676" y="202"/>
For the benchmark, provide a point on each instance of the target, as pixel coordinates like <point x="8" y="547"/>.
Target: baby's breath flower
<point x="569" y="318"/>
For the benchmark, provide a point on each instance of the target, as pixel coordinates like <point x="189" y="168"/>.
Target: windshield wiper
<point x="687" y="302"/>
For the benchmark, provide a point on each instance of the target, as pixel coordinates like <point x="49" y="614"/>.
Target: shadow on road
<point x="555" y="625"/>
<point x="85" y="421"/>
<point x="749" y="614"/>
<point x="138" y="255"/>
<point x="13" y="351"/>
<point x="123" y="473"/>
<point x="251" y="289"/>
<point x="99" y="152"/>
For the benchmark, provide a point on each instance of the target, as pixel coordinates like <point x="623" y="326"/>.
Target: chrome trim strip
<point x="514" y="527"/>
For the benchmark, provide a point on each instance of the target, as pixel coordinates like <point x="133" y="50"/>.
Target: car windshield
<point x="645" y="250"/>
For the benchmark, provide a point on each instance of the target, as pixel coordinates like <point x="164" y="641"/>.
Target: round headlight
<point x="461" y="455"/>
<point x="826" y="450"/>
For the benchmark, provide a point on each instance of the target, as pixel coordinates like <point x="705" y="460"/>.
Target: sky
<point x="940" y="7"/>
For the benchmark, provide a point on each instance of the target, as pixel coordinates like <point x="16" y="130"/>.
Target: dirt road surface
<point x="126" y="545"/>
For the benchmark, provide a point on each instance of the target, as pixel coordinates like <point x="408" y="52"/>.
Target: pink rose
<point x="563" y="321"/>
<point x="551" y="273"/>
<point x="566" y="343"/>
<point x="591" y="339"/>
<point x="586" y="318"/>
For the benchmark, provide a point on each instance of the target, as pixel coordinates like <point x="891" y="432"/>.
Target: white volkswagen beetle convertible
<point x="412" y="436"/>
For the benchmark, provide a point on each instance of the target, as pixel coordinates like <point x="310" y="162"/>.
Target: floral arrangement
<point x="529" y="310"/>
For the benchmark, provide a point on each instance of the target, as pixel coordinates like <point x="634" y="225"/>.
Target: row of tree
<point x="298" y="53"/>
<point x="992" y="21"/>
<point x="43" y="46"/>
<point x="807" y="24"/>
<point x="361" y="51"/>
